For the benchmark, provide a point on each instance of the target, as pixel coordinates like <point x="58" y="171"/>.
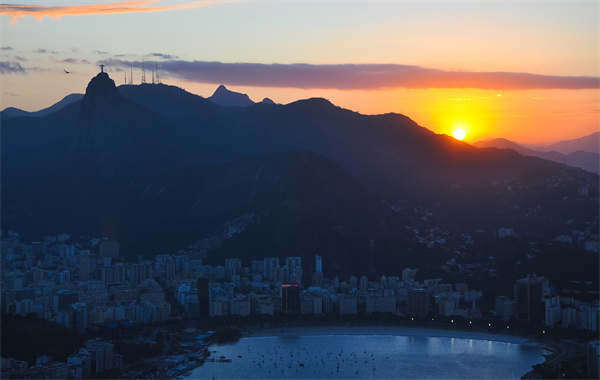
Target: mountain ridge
<point x="16" y="112"/>
<point x="226" y="98"/>
<point x="589" y="161"/>
<point x="588" y="143"/>
<point x="157" y="177"/>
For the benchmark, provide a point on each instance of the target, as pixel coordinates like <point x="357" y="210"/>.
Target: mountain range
<point x="581" y="152"/>
<point x="161" y="169"/>
<point x="12" y="112"/>
<point x="589" y="143"/>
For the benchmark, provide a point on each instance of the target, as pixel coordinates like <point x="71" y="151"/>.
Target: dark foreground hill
<point x="158" y="169"/>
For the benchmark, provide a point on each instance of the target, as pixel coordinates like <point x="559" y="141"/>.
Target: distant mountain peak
<point x="227" y="98"/>
<point x="267" y="101"/>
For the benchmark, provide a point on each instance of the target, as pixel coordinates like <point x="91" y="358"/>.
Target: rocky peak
<point x="99" y="94"/>
<point x="100" y="115"/>
<point x="228" y="98"/>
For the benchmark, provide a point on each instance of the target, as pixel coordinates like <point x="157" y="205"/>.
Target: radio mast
<point x="143" y="73"/>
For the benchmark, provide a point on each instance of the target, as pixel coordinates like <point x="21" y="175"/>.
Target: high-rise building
<point x="293" y="262"/>
<point x="318" y="264"/>
<point x="113" y="274"/>
<point x="102" y="355"/>
<point x="353" y="282"/>
<point x="79" y="317"/>
<point x="364" y="283"/>
<point x="296" y="276"/>
<point x="317" y="279"/>
<point x="409" y="274"/>
<point x="290" y="298"/>
<point x="85" y="266"/>
<point x="141" y="272"/>
<point x="282" y="274"/>
<point x="270" y="263"/>
<point x="257" y="267"/>
<point x="232" y="267"/>
<point x="528" y="294"/>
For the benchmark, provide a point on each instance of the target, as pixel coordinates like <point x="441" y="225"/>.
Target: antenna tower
<point x="143" y="73"/>
<point x="157" y="77"/>
<point x="131" y="75"/>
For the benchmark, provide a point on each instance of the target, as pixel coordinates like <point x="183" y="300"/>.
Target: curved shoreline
<point x="345" y="330"/>
<point x="385" y="330"/>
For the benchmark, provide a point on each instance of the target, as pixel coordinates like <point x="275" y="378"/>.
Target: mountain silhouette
<point x="158" y="169"/>
<point x="589" y="161"/>
<point x="589" y="143"/>
<point x="13" y="112"/>
<point x="226" y="98"/>
<point x="267" y="101"/>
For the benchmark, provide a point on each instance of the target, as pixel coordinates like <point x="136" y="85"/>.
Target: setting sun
<point x="459" y="134"/>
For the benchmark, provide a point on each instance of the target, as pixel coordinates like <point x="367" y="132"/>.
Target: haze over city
<point x="525" y="71"/>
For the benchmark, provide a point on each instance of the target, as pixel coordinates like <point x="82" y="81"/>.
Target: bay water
<point x="371" y="353"/>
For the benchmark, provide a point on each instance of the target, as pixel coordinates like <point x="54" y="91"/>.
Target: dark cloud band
<point x="358" y="76"/>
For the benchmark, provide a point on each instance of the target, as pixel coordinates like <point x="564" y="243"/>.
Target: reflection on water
<point x="370" y="356"/>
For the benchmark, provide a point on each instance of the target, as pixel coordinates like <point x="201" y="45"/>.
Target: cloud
<point x="11" y="67"/>
<point x="56" y="12"/>
<point x="44" y="51"/>
<point x="358" y="76"/>
<point x="163" y="56"/>
<point x="22" y="59"/>
<point x="72" y="60"/>
<point x="6" y="48"/>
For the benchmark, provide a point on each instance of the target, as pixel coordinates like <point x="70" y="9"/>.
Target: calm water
<point x="317" y="354"/>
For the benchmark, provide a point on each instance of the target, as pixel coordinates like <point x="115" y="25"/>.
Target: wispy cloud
<point x="44" y="51"/>
<point x="22" y="59"/>
<point x="11" y="67"/>
<point x="358" y="76"/>
<point x="6" y="48"/>
<point x="56" y="12"/>
<point x="163" y="56"/>
<point x="71" y="60"/>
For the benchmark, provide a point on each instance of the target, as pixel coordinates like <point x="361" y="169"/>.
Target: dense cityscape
<point x="87" y="285"/>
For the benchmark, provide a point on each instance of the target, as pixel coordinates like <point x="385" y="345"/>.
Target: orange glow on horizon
<point x="523" y="116"/>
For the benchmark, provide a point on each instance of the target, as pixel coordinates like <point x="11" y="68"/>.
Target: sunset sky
<point x="526" y="71"/>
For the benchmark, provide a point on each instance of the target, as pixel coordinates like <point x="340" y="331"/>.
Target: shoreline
<point x="256" y="332"/>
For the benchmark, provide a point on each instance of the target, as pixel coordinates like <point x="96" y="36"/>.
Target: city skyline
<point x="527" y="72"/>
